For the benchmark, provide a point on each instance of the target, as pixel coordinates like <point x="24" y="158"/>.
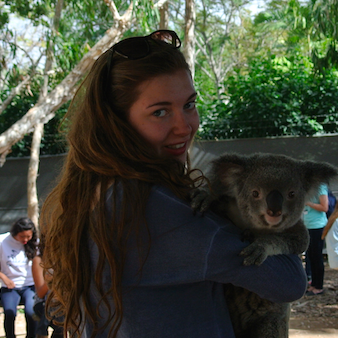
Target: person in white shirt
<point x="330" y="233"/>
<point x="17" y="251"/>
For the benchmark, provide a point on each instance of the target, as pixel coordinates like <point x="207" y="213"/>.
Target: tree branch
<point x="160" y="4"/>
<point x="43" y="111"/>
<point x="15" y="91"/>
<point x="111" y="5"/>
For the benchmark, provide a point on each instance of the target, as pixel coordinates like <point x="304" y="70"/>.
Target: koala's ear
<point x="316" y="173"/>
<point x="228" y="169"/>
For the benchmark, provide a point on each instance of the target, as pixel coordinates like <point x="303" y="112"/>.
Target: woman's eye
<point x="190" y="105"/>
<point x="160" y="113"/>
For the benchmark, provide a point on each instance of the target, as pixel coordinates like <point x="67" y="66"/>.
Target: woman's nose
<point x="182" y="125"/>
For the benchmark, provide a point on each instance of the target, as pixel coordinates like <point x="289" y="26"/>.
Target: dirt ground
<point x="317" y="316"/>
<point x="311" y="316"/>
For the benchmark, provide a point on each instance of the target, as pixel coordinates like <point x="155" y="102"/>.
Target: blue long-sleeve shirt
<point x="180" y="292"/>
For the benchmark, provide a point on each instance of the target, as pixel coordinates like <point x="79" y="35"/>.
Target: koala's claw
<point x="254" y="254"/>
<point x="200" y="200"/>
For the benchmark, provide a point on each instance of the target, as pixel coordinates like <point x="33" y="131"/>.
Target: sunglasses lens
<point x="169" y="37"/>
<point x="132" y="48"/>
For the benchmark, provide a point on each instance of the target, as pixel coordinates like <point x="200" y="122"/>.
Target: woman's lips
<point x="177" y="146"/>
<point x="177" y="149"/>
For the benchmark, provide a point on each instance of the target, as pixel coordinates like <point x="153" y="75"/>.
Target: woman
<point x="17" y="251"/>
<point x="330" y="233"/>
<point x="315" y="220"/>
<point x="129" y="257"/>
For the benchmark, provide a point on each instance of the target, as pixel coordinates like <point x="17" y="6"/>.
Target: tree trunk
<point x="189" y="38"/>
<point x="33" y="168"/>
<point x="164" y="16"/>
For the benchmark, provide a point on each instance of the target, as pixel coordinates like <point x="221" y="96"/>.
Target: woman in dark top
<point x="129" y="257"/>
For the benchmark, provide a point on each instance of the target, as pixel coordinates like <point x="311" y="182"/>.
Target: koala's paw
<point x="201" y="199"/>
<point x="255" y="253"/>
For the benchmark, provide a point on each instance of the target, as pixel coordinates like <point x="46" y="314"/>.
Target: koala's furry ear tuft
<point x="316" y="173"/>
<point x="229" y="167"/>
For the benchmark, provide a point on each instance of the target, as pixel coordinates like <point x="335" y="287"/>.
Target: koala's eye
<point x="255" y="194"/>
<point x="291" y="194"/>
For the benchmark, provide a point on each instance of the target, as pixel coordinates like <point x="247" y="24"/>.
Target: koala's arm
<point x="294" y="240"/>
<point x="201" y="199"/>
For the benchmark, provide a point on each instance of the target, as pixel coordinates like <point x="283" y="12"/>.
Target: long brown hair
<point x="104" y="150"/>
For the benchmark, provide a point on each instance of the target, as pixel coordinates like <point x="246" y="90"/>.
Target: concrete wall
<point x="13" y="186"/>
<point x="323" y="148"/>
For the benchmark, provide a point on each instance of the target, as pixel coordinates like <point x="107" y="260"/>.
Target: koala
<point x="264" y="195"/>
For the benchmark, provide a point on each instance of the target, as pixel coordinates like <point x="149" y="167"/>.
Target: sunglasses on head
<point x="138" y="47"/>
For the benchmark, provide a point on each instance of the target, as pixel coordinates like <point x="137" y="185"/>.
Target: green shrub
<point x="276" y="97"/>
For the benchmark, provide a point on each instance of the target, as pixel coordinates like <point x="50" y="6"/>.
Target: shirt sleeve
<point x="188" y="248"/>
<point x="323" y="190"/>
<point x="281" y="278"/>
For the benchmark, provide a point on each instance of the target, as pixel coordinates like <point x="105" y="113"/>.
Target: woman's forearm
<point x="318" y="207"/>
<point x="8" y="282"/>
<point x="323" y="204"/>
<point x="41" y="288"/>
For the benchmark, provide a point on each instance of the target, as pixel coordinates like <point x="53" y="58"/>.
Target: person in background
<point x="332" y="203"/>
<point x="315" y="220"/>
<point x="41" y="291"/>
<point x="17" y="251"/>
<point x="128" y="255"/>
<point x="330" y="233"/>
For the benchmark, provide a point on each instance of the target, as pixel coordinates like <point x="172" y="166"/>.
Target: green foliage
<point x="324" y="18"/>
<point x="34" y="10"/>
<point x="53" y="142"/>
<point x="314" y="27"/>
<point x="146" y="13"/>
<point x="82" y="24"/>
<point x="4" y="17"/>
<point x="275" y="97"/>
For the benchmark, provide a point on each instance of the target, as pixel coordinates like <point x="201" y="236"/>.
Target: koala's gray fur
<point x="263" y="194"/>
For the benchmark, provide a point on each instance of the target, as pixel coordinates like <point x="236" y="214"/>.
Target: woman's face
<point x="24" y="236"/>
<point x="165" y="114"/>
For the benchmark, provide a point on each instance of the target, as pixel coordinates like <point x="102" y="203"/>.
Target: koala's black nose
<point x="274" y="200"/>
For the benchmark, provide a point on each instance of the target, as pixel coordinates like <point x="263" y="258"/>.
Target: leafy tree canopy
<point x="276" y="97"/>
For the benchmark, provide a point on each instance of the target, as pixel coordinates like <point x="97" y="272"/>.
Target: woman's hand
<point x="8" y="282"/>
